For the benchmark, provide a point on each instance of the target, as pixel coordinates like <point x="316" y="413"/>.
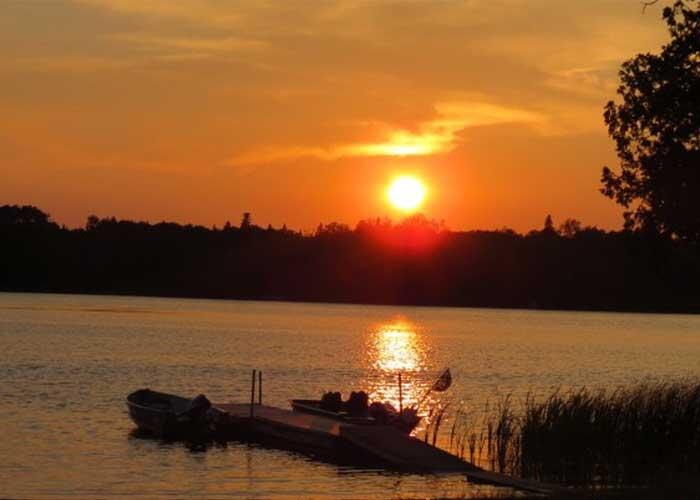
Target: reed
<point x="436" y="418"/>
<point x="647" y="434"/>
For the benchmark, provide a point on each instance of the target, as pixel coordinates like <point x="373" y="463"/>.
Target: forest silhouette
<point x="416" y="261"/>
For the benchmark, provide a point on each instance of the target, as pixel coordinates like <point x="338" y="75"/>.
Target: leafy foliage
<point x="656" y="129"/>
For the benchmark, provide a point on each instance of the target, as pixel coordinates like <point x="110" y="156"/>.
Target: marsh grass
<point x="436" y="417"/>
<point x="647" y="434"/>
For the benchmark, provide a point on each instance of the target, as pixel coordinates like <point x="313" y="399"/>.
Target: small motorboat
<point x="314" y="407"/>
<point x="170" y="416"/>
<point x="357" y="411"/>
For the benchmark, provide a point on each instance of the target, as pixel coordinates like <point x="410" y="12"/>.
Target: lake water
<point x="68" y="361"/>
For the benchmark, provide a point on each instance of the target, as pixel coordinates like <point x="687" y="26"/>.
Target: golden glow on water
<point x="396" y="347"/>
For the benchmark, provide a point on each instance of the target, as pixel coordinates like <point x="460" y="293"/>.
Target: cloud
<point x="70" y="64"/>
<point x="200" y="10"/>
<point x="182" y="49"/>
<point x="438" y="135"/>
<point x="147" y="41"/>
<point x="593" y="82"/>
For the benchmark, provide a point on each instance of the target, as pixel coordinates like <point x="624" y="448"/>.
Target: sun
<point x="406" y="193"/>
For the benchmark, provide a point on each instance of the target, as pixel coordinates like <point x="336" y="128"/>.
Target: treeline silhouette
<point x="416" y="261"/>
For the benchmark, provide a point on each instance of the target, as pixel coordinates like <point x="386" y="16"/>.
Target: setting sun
<point x="406" y="193"/>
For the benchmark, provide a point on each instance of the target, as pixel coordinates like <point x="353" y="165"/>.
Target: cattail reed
<point x="641" y="435"/>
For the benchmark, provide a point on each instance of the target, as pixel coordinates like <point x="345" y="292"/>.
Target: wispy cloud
<point x="594" y="82"/>
<point x="436" y="136"/>
<point x="201" y="10"/>
<point x="149" y="42"/>
<point x="68" y="64"/>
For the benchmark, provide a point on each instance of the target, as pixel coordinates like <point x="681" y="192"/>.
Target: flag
<point x="443" y="382"/>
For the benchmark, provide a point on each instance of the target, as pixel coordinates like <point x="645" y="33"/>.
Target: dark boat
<point x="170" y="416"/>
<point x="376" y="414"/>
<point x="314" y="407"/>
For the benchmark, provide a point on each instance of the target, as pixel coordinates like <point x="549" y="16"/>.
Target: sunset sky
<point x="303" y="112"/>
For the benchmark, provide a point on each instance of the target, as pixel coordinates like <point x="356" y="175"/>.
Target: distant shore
<point x="341" y="303"/>
<point x="416" y="262"/>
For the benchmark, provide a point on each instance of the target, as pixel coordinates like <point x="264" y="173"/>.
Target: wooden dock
<point x="384" y="443"/>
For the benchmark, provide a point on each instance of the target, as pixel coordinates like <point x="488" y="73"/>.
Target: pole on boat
<point x="259" y="387"/>
<point x="252" y="395"/>
<point x="400" y="394"/>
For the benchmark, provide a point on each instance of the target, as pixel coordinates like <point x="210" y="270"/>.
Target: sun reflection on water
<point x="393" y="348"/>
<point x="397" y="348"/>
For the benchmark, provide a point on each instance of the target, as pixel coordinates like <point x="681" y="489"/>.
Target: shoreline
<point x="280" y="300"/>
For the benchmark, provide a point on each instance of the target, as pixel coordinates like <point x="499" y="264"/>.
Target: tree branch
<point x="647" y="3"/>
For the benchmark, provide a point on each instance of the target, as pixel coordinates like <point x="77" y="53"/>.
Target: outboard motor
<point x="357" y="404"/>
<point x="196" y="408"/>
<point x="331" y="401"/>
<point x="379" y="412"/>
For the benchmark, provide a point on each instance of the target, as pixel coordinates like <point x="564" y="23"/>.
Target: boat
<point x="314" y="407"/>
<point x="374" y="414"/>
<point x="169" y="416"/>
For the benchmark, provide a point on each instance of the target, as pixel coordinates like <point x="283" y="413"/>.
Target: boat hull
<point x="313" y="407"/>
<point x="163" y="415"/>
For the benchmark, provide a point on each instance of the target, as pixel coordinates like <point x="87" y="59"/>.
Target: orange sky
<point x="195" y="111"/>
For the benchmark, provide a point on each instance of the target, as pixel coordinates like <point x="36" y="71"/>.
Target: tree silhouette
<point x="246" y="221"/>
<point x="656" y="129"/>
<point x="26" y="214"/>
<point x="331" y="229"/>
<point x="548" y="228"/>
<point x="92" y="222"/>
<point x="570" y="228"/>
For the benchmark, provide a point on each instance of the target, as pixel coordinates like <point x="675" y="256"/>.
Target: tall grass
<point x="436" y="417"/>
<point x="640" y="435"/>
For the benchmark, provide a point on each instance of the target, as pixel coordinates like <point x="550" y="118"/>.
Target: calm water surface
<point x="68" y="361"/>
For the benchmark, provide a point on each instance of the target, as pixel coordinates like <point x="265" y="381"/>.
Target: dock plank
<point x="401" y="450"/>
<point x="284" y="417"/>
<point x="413" y="454"/>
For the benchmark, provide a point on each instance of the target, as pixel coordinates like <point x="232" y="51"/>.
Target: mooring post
<point x="260" y="387"/>
<point x="252" y="396"/>
<point x="400" y="394"/>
